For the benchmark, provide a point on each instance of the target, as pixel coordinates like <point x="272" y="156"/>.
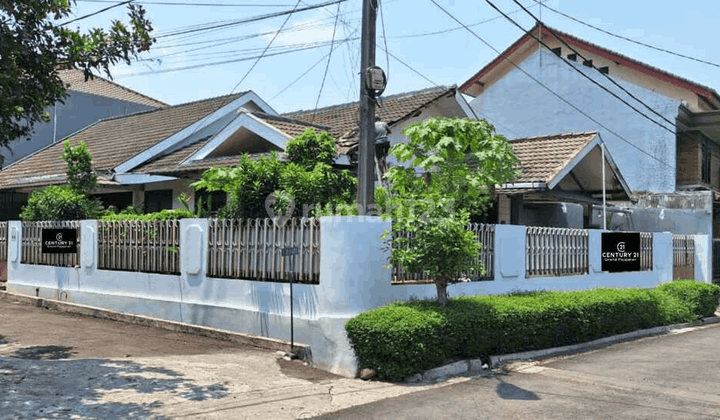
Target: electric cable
<point x="387" y="55"/>
<point x="582" y="73"/>
<point x="95" y="13"/>
<point x="630" y="39"/>
<point x="327" y="67"/>
<point x="167" y="3"/>
<point x="551" y="91"/>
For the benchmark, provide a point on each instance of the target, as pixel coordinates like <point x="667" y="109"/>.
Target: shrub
<point x="404" y="338"/>
<point x="702" y="298"/>
<point x="60" y="203"/>
<point x="161" y="215"/>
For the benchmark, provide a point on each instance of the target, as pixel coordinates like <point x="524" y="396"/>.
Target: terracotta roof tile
<point x="344" y="118"/>
<point x="75" y="80"/>
<point x="541" y="158"/>
<point x="114" y="140"/>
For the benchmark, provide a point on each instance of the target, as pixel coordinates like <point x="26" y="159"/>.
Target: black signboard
<point x="620" y="251"/>
<point x="59" y="241"/>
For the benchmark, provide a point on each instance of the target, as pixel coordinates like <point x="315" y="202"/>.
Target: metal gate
<point x="683" y="257"/>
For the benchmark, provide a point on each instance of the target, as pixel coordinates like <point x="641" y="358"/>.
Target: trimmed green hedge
<point x="161" y="215"/>
<point x="404" y="338"/>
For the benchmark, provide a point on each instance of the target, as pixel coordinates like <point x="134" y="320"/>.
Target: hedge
<point x="404" y="338"/>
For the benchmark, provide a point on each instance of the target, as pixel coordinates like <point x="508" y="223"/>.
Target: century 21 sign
<point x="620" y="251"/>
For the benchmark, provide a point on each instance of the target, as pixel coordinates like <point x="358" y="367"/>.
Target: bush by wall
<point x="161" y="215"/>
<point x="404" y="338"/>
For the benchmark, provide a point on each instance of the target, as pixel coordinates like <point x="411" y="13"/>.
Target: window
<point x="157" y="200"/>
<point x="706" y="160"/>
<point x="120" y="200"/>
<point x="217" y="199"/>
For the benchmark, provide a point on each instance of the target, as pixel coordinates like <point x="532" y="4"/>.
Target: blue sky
<point x="444" y="59"/>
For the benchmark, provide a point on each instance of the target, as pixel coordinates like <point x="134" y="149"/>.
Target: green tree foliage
<point x="35" y="44"/>
<point x="459" y="161"/>
<point x="307" y="179"/>
<point x="80" y="175"/>
<point x="67" y="202"/>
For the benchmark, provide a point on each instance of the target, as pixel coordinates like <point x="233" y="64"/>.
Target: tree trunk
<point x="441" y="286"/>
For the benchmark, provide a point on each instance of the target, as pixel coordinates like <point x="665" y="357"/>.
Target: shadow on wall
<point x="271" y="298"/>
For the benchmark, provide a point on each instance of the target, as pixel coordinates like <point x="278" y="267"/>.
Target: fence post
<point x="663" y="256"/>
<point x="89" y="244"/>
<point x="595" y="251"/>
<point x="510" y="252"/>
<point x="703" y="258"/>
<point x="193" y="250"/>
<point x="14" y="250"/>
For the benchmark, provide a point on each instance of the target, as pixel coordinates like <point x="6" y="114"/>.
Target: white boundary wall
<point x="354" y="277"/>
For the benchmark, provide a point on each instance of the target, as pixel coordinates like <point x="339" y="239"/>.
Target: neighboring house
<point x="673" y="175"/>
<point x="87" y="102"/>
<point x="133" y="154"/>
<point x="398" y="111"/>
<point x="151" y="157"/>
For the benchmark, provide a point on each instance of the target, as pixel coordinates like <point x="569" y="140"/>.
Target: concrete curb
<point x="476" y="365"/>
<point x="301" y="351"/>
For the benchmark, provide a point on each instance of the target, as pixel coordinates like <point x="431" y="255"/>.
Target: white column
<point x="510" y="252"/>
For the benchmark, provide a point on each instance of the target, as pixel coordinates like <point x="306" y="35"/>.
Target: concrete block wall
<point x="354" y="277"/>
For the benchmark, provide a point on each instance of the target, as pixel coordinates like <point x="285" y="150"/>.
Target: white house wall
<point x="521" y="106"/>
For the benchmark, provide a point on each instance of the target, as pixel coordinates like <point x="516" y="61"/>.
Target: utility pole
<point x="366" y="157"/>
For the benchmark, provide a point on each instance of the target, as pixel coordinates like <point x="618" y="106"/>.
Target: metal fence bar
<point x="646" y="251"/>
<point x="3" y="241"/>
<point x="485" y="234"/>
<point x="133" y="245"/>
<point x="556" y="251"/>
<point x="31" y="248"/>
<point x="683" y="257"/>
<point x="252" y="249"/>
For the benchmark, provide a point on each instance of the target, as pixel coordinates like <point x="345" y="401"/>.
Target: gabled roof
<point x="345" y="118"/>
<point x="74" y="79"/>
<point x="474" y="85"/>
<point x="112" y="141"/>
<point x="565" y="162"/>
<point x="182" y="161"/>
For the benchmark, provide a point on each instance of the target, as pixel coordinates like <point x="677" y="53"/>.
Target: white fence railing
<point x="556" y="251"/>
<point x="31" y="249"/>
<point x="683" y="257"/>
<point x="646" y="251"/>
<point x="252" y="249"/>
<point x="131" y="245"/>
<point x="484" y="233"/>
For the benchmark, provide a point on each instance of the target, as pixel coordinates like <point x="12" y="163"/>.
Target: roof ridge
<point x="115" y="117"/>
<point x="288" y="120"/>
<point x="568" y="134"/>
<point x="390" y="97"/>
<point x="120" y="86"/>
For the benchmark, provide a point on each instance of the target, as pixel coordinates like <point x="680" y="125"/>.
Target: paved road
<point x="672" y="376"/>
<point x="59" y="365"/>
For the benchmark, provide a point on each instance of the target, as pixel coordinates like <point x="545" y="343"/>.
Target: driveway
<point x="670" y="376"/>
<point x="60" y="365"/>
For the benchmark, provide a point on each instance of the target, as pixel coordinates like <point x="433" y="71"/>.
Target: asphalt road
<point x="674" y="376"/>
<point x="65" y="366"/>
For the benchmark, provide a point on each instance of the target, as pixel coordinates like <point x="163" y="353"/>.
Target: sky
<point x="425" y="47"/>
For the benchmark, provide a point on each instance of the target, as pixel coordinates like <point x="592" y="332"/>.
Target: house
<point x="151" y="157"/>
<point x="666" y="147"/>
<point x="87" y="102"/>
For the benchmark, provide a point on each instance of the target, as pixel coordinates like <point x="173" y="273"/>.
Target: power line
<point x="327" y="67"/>
<point x="95" y="13"/>
<point x="551" y="91"/>
<point x="165" y="3"/>
<point x="122" y="76"/>
<point x="632" y="40"/>
<point x="591" y="64"/>
<point x="269" y="44"/>
<point x="580" y="72"/>
<point x="227" y="24"/>
<point x="387" y="56"/>
<point x="299" y="77"/>
<point x="410" y="67"/>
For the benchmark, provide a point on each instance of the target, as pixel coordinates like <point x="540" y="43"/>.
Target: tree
<point x="35" y="44"/>
<point x="446" y="173"/>
<point x="305" y="181"/>
<point x="67" y="202"/>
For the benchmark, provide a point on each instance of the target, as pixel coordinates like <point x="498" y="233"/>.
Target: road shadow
<point x="35" y="387"/>
<point x="508" y="391"/>
<point x="44" y="353"/>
